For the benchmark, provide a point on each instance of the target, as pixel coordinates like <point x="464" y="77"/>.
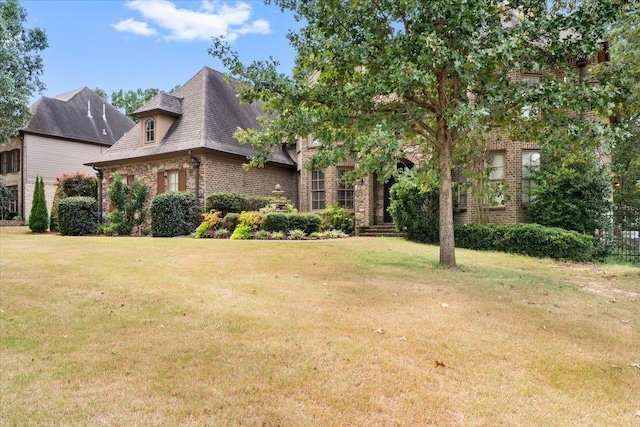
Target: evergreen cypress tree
<point x="39" y="217"/>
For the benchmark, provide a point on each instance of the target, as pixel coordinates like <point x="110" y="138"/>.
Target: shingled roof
<point x="168" y="104"/>
<point x="211" y="113"/>
<point x="79" y="115"/>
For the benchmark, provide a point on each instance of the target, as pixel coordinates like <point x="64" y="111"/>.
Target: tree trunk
<point x="447" y="243"/>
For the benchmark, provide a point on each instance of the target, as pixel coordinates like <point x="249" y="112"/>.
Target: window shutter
<point x="160" y="182"/>
<point x="182" y="180"/>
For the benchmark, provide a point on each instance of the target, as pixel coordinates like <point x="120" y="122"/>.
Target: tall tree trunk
<point x="447" y="243"/>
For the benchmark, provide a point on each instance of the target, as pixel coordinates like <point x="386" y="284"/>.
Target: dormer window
<point x="150" y="131"/>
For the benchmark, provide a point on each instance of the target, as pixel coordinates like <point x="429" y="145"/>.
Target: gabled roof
<point x="163" y="102"/>
<point x="211" y="113"/>
<point x="78" y="115"/>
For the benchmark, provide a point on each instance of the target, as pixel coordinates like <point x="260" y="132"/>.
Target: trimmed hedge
<point x="275" y="221"/>
<point x="526" y="239"/>
<point x="232" y="202"/>
<point x="335" y="217"/>
<point x="77" y="216"/>
<point x="176" y="213"/>
<point x="307" y="222"/>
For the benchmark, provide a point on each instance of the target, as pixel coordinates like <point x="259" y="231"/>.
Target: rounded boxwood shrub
<point x="230" y="221"/>
<point x="176" y="213"/>
<point x="233" y="202"/>
<point x="275" y="221"/>
<point x="77" y="216"/>
<point x="307" y="222"/>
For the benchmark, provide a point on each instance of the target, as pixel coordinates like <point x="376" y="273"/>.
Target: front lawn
<point x="349" y="332"/>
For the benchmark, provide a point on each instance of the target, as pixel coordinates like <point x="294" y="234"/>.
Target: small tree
<point x="128" y="206"/>
<point x="39" y="217"/>
<point x="5" y="199"/>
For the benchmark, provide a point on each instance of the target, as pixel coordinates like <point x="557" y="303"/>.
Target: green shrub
<point x="233" y="202"/>
<point x="77" y="216"/>
<point x="231" y="221"/>
<point x="175" y="213"/>
<point x="415" y="211"/>
<point x="275" y="221"/>
<point x="242" y="232"/>
<point x="39" y="217"/>
<point x="307" y="222"/>
<point x="278" y="235"/>
<point x="262" y="235"/>
<point x="335" y="217"/>
<point x="209" y="222"/>
<point x="526" y="239"/>
<point x="128" y="205"/>
<point x="72" y="185"/>
<point x="297" y="234"/>
<point x="252" y="219"/>
<point x="221" y="233"/>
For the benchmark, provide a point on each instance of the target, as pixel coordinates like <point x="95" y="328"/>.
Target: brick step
<point x="381" y="230"/>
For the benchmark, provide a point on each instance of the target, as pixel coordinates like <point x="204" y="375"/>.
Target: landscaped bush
<point x="230" y="221"/>
<point x="72" y="185"/>
<point x="77" y="216"/>
<point x="262" y="235"/>
<point x="232" y="202"/>
<point x="175" y="213"/>
<point x="415" y="211"/>
<point x="307" y="222"/>
<point x="221" y="233"/>
<point x="242" y="232"/>
<point x="278" y="235"/>
<point x="527" y="239"/>
<point x="251" y="219"/>
<point x="297" y="234"/>
<point x="275" y="221"/>
<point x="209" y="222"/>
<point x="128" y="207"/>
<point x="335" y="217"/>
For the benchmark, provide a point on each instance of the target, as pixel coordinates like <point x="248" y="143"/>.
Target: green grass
<point x="143" y="331"/>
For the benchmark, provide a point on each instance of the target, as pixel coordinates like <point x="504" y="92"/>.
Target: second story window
<point x="530" y="164"/>
<point x="150" y="131"/>
<point x="495" y="165"/>
<point x="10" y="161"/>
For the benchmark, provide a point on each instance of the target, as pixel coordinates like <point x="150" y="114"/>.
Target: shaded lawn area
<point x="358" y="331"/>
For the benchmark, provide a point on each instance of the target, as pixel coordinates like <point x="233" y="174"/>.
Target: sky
<point x="113" y="44"/>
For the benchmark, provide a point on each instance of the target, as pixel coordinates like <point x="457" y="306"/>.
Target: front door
<point x="387" y="199"/>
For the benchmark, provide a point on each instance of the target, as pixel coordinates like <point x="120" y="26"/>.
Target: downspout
<point x="195" y="162"/>
<point x="23" y="164"/>
<point x="100" y="176"/>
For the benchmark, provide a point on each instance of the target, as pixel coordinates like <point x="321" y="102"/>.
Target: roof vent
<point x="104" y="115"/>
<point x="89" y="109"/>
<point x="104" y="131"/>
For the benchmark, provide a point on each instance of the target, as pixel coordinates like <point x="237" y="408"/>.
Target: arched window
<point x="150" y="131"/>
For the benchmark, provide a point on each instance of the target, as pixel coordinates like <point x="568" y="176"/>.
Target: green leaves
<point x="21" y="67"/>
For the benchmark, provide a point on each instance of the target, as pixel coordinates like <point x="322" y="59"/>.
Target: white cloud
<point x="136" y="27"/>
<point x="213" y="19"/>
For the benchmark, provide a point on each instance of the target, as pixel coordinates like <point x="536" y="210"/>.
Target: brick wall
<point x="218" y="172"/>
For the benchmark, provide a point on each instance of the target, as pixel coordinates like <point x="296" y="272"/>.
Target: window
<point x="172" y="181"/>
<point x="527" y="110"/>
<point x="150" y="131"/>
<point x="318" y="194"/>
<point x="345" y="191"/>
<point x="530" y="163"/>
<point x="495" y="164"/>
<point x="461" y="189"/>
<point x="313" y="141"/>
<point x="10" y="162"/>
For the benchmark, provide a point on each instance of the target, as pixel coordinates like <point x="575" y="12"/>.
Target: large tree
<point x="373" y="77"/>
<point x="622" y="76"/>
<point x="21" y="67"/>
